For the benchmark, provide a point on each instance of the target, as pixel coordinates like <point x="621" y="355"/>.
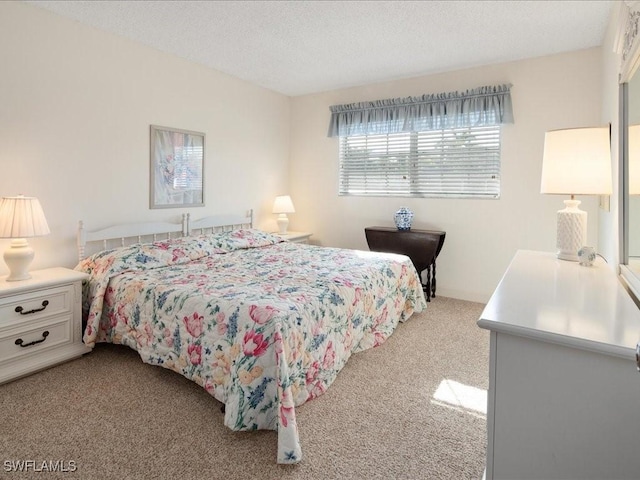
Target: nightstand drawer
<point x="34" y="305"/>
<point x="295" y="237"/>
<point x="47" y="324"/>
<point x="35" y="337"/>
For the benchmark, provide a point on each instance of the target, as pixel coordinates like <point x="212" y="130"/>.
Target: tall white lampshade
<point x="20" y="217"/>
<point x="283" y="205"/>
<point x="576" y="161"/>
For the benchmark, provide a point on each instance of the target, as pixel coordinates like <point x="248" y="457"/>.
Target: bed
<point x="262" y="324"/>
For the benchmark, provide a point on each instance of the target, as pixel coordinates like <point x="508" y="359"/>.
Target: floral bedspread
<point x="263" y="325"/>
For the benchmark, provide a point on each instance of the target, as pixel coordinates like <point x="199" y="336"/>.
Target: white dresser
<point x="564" y="390"/>
<point x="40" y="321"/>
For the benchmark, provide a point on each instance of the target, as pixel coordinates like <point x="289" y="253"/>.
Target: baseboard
<point x="477" y="297"/>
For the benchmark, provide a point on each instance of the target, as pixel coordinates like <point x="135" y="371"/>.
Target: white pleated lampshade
<point x="22" y="217"/>
<point x="577" y="161"/>
<point x="283" y="204"/>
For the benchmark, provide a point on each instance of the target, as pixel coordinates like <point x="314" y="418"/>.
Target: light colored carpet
<point x="118" y="418"/>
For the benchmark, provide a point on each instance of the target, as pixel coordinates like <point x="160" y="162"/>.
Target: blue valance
<point x="490" y="105"/>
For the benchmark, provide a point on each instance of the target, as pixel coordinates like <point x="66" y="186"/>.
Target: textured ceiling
<point x="302" y="47"/>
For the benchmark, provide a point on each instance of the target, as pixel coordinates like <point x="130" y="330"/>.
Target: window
<point x="187" y="173"/>
<point x="457" y="162"/>
<point x="436" y="145"/>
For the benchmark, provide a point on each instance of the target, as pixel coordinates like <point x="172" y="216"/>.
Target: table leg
<point x="433" y="281"/>
<point x="427" y="287"/>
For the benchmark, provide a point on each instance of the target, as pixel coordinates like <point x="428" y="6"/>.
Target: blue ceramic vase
<point x="403" y="218"/>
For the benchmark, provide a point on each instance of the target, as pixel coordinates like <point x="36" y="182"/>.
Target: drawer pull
<point x="19" y="309"/>
<point x="45" y="334"/>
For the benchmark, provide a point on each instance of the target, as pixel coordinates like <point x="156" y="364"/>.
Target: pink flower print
<point x="177" y="253"/>
<point x="379" y="338"/>
<point x="286" y="414"/>
<point x="168" y="337"/>
<point x="162" y="245"/>
<point x="312" y="372"/>
<point x="382" y="318"/>
<point x="113" y="319"/>
<point x="286" y="406"/>
<point x="145" y="335"/>
<point x="318" y="327"/>
<point x="209" y="387"/>
<point x="397" y="302"/>
<point x="194" y="324"/>
<point x="222" y="328"/>
<point x="343" y="281"/>
<point x="104" y="266"/>
<point x="261" y="315"/>
<point x="357" y="295"/>
<point x="278" y="345"/>
<point x="329" y="356"/>
<point x="254" y="344"/>
<point x="348" y="339"/>
<point x="120" y="316"/>
<point x="195" y="353"/>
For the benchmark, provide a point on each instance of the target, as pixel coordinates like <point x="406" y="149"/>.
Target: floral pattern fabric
<point x="263" y="325"/>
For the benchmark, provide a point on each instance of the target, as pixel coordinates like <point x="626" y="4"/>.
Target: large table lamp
<point x="20" y="218"/>
<point x="576" y="161"/>
<point x="283" y="205"/>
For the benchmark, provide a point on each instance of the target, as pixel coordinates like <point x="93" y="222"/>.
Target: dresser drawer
<point x="35" y="337"/>
<point x="34" y="305"/>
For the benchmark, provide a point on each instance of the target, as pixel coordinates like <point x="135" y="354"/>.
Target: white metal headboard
<point x="128" y="234"/>
<point x="219" y="223"/>
<point x="132" y="233"/>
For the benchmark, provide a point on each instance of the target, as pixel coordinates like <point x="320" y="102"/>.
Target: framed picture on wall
<point x="177" y="168"/>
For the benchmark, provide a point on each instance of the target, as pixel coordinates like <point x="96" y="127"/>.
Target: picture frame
<point x="176" y="168"/>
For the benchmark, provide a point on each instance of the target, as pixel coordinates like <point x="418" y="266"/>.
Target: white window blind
<point x="456" y="162"/>
<point x="187" y="174"/>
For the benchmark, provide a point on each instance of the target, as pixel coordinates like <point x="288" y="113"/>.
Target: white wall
<point x="76" y="106"/>
<point x="552" y="92"/>
<point x="74" y="131"/>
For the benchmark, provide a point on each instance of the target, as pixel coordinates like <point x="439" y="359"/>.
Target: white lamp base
<point x="18" y="257"/>
<point x="571" y="230"/>
<point x="283" y="223"/>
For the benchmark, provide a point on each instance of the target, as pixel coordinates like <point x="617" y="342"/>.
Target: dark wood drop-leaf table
<point x="421" y="246"/>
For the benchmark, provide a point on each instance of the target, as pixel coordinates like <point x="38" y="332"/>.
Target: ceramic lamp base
<point x="571" y="230"/>
<point x="18" y="257"/>
<point x="283" y="223"/>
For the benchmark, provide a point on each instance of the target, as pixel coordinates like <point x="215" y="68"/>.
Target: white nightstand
<point x="40" y="321"/>
<point x="296" y="237"/>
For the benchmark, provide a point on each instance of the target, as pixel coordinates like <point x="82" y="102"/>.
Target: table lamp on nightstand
<point x="576" y="161"/>
<point x="20" y="217"/>
<point x="283" y="205"/>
